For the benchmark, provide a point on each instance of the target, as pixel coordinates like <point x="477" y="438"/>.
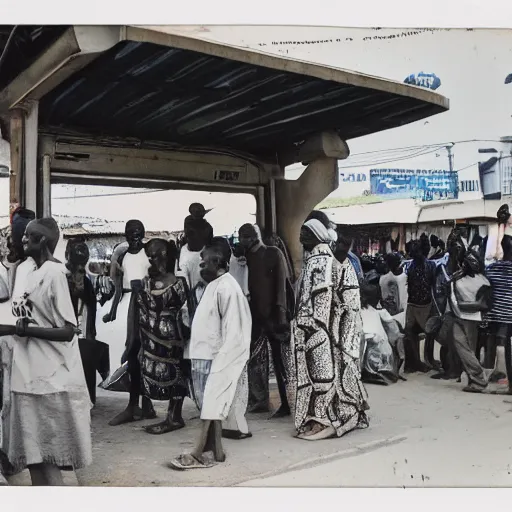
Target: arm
<point x="58" y="334"/>
<point x="116" y="275"/>
<point x="281" y="272"/>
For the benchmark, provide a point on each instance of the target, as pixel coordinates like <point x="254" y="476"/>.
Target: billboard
<point x="425" y="185"/>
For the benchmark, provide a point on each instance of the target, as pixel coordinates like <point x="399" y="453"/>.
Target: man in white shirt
<point x="219" y="350"/>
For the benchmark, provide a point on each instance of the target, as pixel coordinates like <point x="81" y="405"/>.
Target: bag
<point x="118" y="381"/>
<point x="473" y="294"/>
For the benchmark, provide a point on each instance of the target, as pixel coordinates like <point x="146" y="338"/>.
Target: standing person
<point x="393" y="286"/>
<point x="342" y="251"/>
<point x="462" y="324"/>
<point x="18" y="266"/>
<point x="159" y="301"/>
<point x="420" y="281"/>
<point x="499" y="317"/>
<point x="219" y="350"/>
<point x="94" y="354"/>
<point x="48" y="421"/>
<point x="198" y="234"/>
<point x="327" y="330"/>
<point x="268" y="276"/>
<point x="128" y="272"/>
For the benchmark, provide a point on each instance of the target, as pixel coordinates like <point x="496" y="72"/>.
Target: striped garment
<point x="500" y="277"/>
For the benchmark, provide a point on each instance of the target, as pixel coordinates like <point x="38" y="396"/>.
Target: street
<point x="423" y="433"/>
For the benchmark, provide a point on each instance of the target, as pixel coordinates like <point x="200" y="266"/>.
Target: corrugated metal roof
<point x="152" y="92"/>
<point x="395" y="211"/>
<point x="408" y="211"/>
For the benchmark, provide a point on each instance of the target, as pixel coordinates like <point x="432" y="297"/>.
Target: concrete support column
<point x="24" y="166"/>
<point x="295" y="200"/>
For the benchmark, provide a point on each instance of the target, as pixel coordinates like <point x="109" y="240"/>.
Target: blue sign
<point x="508" y="80"/>
<point x="427" y="80"/>
<point x="426" y="185"/>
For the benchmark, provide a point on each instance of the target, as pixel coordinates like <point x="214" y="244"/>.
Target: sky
<point x="472" y="66"/>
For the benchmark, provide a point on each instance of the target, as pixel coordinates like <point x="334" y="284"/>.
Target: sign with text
<point x="425" y="185"/>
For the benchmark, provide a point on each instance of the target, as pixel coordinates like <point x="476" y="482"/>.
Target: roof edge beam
<point x="76" y="48"/>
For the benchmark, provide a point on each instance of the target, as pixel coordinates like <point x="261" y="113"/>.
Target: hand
<point x="21" y="327"/>
<point x="109" y="317"/>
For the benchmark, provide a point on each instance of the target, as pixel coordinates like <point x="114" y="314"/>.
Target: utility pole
<point x="450" y="157"/>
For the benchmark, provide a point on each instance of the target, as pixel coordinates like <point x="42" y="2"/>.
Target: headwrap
<point x="20" y="220"/>
<point x="323" y="234"/>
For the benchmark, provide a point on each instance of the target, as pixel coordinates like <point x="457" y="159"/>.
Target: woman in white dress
<point x="47" y="419"/>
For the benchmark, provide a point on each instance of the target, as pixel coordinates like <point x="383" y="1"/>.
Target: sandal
<point x="235" y="434"/>
<point x="188" y="461"/>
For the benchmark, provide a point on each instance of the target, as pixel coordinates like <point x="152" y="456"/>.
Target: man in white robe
<point x="219" y="350"/>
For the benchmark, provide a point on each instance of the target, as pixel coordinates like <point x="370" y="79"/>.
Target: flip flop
<point x="181" y="463"/>
<point x="326" y="433"/>
<point x="235" y="434"/>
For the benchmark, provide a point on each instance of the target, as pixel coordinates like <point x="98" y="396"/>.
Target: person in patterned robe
<point x="164" y="372"/>
<point x="330" y="399"/>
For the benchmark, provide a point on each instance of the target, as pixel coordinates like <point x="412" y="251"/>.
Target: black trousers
<point x="501" y="333"/>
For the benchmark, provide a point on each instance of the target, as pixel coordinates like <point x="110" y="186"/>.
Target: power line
<point x="408" y="157"/>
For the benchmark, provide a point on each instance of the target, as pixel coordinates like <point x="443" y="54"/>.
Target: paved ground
<point x="422" y="433"/>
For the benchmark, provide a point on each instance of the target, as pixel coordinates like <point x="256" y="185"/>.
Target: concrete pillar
<point x="24" y="140"/>
<point x="296" y="198"/>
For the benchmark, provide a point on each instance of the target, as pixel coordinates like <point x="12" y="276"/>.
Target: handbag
<point x="473" y="293"/>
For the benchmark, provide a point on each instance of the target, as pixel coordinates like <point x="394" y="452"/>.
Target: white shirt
<point x="189" y="266"/>
<point x="135" y="267"/>
<point x="209" y="327"/>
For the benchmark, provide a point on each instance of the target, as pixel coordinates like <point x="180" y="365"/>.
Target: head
<point x="366" y="263"/>
<point x="41" y="238"/>
<point x="455" y="246"/>
<point x="248" y="236"/>
<point x="223" y="245"/>
<point x="77" y="259"/>
<point x="135" y="233"/>
<point x="20" y="220"/>
<point x="425" y="245"/>
<point x="343" y="246"/>
<point x="434" y="241"/>
<point x="214" y="263"/>
<point x="416" y="250"/>
<point x="442" y="246"/>
<point x="506" y="244"/>
<point x="393" y="260"/>
<point x="370" y="295"/>
<point x="320" y="216"/>
<point x="161" y="255"/>
<point x="198" y="232"/>
<point x="503" y="214"/>
<point x="381" y="265"/>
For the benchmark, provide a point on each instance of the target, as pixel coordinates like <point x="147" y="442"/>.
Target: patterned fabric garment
<point x="327" y="342"/>
<point x="258" y="369"/>
<point x="162" y="366"/>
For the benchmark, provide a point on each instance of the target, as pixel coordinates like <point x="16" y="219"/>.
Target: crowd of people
<point x="202" y="318"/>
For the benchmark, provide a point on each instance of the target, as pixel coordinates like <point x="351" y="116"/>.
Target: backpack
<point x="473" y="294"/>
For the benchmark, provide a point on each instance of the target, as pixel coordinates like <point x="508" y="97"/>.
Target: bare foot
<point x="130" y="414"/>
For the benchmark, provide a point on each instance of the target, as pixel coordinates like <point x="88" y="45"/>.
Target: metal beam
<point x="76" y="48"/>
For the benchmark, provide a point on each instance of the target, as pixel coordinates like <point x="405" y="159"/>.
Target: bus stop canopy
<point x="153" y="84"/>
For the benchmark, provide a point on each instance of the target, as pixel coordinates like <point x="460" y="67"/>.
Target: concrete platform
<point x="127" y="456"/>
